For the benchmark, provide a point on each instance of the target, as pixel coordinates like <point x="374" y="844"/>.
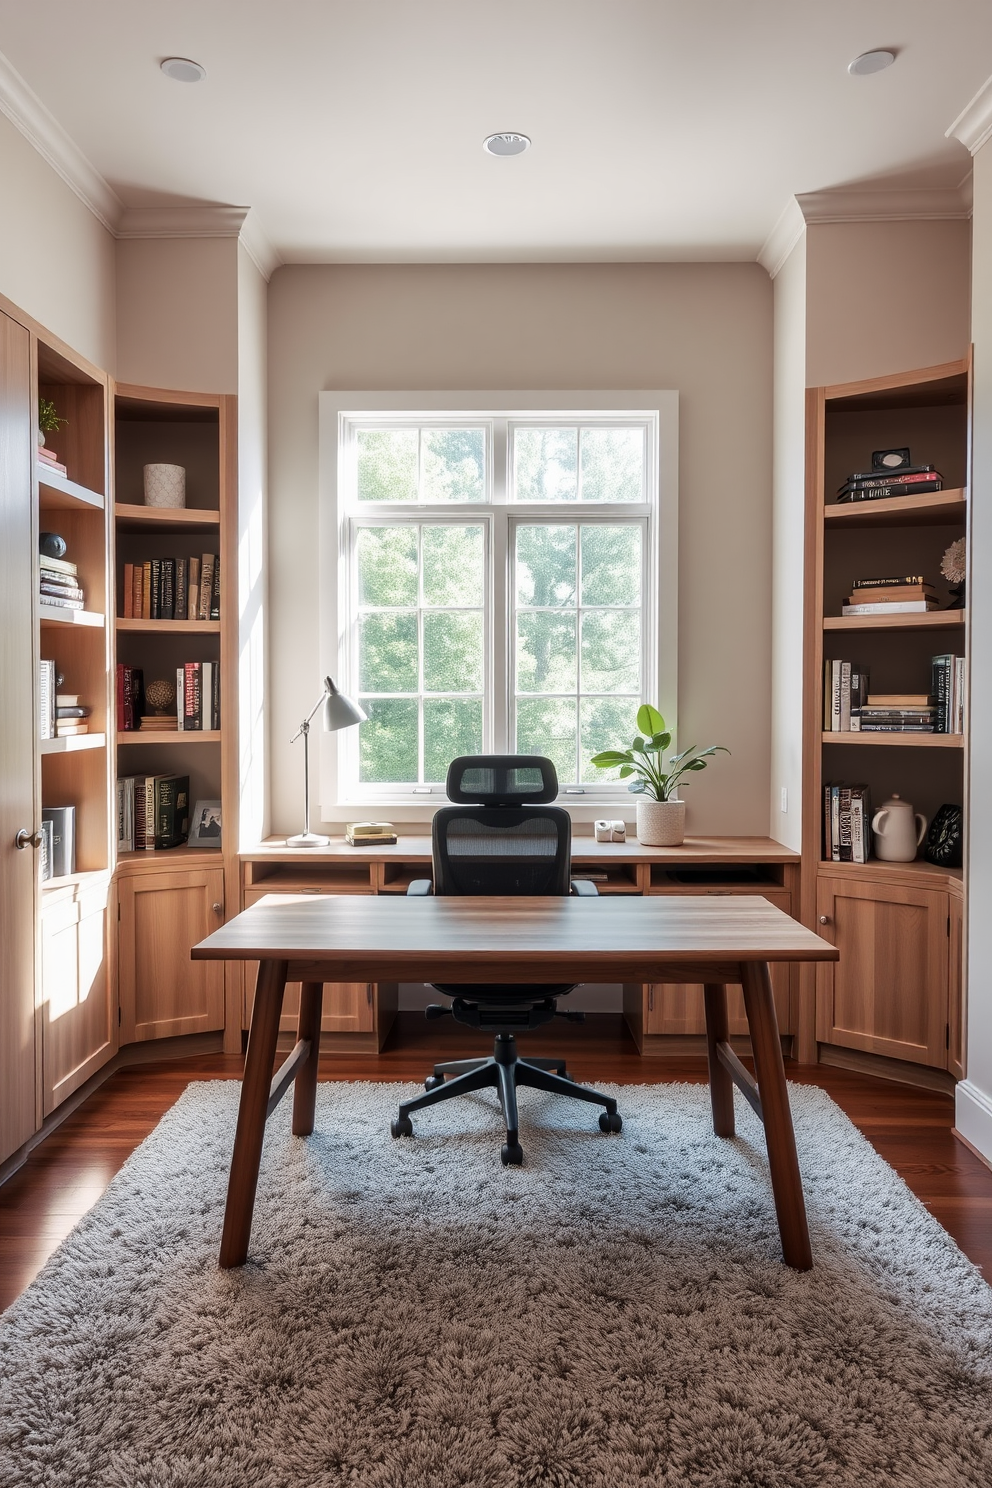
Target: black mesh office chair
<point x="503" y="840"/>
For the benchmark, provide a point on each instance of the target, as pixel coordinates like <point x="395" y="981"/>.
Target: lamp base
<point x="308" y="839"/>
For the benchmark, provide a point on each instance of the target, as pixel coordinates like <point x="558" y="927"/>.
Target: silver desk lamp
<point x="339" y="712"/>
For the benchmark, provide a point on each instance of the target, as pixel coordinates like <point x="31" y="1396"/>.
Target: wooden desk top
<point x="414" y="849"/>
<point x="350" y="938"/>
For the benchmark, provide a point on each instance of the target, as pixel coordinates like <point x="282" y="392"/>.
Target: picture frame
<point x="206" y="825"/>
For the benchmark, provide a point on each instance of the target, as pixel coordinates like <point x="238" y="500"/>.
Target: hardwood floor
<point x="64" y="1177"/>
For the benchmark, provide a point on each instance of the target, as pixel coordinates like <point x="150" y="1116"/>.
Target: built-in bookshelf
<point x="153" y="426"/>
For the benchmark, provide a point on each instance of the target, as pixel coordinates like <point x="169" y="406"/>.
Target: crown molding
<point x="938" y="203"/>
<point x="41" y="129"/>
<point x="258" y="246"/>
<point x="783" y="238"/>
<point x="973" y="125"/>
<point x="181" y="222"/>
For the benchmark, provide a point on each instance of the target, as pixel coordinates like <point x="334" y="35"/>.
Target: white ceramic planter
<point x="165" y="485"/>
<point x="660" y="823"/>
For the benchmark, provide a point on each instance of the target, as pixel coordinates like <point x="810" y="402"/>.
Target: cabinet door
<point x="18" y="868"/>
<point x="677" y="1007"/>
<point x="348" y="1007"/>
<point x="956" y="1028"/>
<point x="79" y="1021"/>
<point x="888" y="992"/>
<point x="162" y="915"/>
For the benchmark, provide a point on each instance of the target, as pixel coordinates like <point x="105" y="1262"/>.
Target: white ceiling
<point x="662" y="129"/>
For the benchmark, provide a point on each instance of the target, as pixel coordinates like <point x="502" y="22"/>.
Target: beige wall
<point x="885" y="297"/>
<point x="177" y="313"/>
<point x="56" y="260"/>
<point x="703" y="329"/>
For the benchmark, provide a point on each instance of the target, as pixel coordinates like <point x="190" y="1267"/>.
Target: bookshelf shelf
<point x="174" y="857"/>
<point x="935" y="620"/>
<point x="58" y="493"/>
<point x="899" y="741"/>
<point x="169" y="736"/>
<point x="50" y="615"/>
<point x="72" y="743"/>
<point x="131" y="518"/>
<point x="939" y="509"/>
<point x="168" y="627"/>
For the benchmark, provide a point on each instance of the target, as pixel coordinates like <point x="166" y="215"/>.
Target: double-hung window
<point x="499" y="574"/>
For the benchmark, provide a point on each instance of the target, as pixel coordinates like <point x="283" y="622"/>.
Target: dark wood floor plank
<point x="65" y="1176"/>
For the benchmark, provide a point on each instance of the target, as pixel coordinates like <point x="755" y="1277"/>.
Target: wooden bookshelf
<point x="132" y="518"/>
<point x="897" y="1003"/>
<point x="135" y="738"/>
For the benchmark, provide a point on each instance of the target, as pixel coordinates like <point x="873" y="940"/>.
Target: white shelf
<point x="71" y="743"/>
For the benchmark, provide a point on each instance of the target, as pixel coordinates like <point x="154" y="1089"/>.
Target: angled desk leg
<point x="721" y="1081"/>
<point x="252" y="1112"/>
<point x="305" y="1094"/>
<point x="780" y="1137"/>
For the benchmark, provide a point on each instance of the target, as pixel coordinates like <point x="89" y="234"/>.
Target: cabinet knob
<point x="217" y="908"/>
<point x="824" y="919"/>
<point x="25" y="839"/>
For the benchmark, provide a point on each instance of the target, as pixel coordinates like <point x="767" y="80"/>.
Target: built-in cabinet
<point x="162" y="914"/>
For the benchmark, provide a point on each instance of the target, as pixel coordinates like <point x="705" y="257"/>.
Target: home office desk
<point x="450" y="939"/>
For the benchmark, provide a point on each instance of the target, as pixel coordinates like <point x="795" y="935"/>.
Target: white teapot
<point x="898" y="830"/>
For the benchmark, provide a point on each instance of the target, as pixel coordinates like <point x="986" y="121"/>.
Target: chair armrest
<point x="419" y="888"/>
<point x="584" y="888"/>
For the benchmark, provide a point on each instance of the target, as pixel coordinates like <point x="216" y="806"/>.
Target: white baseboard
<point x="973" y="1117"/>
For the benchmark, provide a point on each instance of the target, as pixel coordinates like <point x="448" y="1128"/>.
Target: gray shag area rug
<point x="415" y="1316"/>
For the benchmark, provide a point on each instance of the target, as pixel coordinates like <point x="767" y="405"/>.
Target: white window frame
<point x="340" y="800"/>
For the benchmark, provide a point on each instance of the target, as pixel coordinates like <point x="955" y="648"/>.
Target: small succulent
<point x="645" y="759"/>
<point x="48" y="418"/>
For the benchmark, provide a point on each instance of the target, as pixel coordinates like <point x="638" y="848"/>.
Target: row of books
<point x="890" y="596"/>
<point x="876" y="485"/>
<point x="59" y="583"/>
<point x="60" y="714"/>
<point x="849" y="707"/>
<point x="152" y="812"/>
<point x="197" y="699"/>
<point x="58" y="842"/>
<point x="173" y="589"/>
<point x="846" y="823"/>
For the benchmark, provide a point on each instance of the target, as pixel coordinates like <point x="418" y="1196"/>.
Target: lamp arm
<point x="304" y="727"/>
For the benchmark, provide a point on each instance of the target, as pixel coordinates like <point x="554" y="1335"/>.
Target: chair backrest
<point x="507" y="842"/>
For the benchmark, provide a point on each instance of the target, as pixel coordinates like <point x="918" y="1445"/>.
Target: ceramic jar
<point x="165" y="485"/>
<point x="660" y="823"/>
<point x="898" y="830"/>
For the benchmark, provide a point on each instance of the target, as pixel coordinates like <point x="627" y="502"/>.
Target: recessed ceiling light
<point x="506" y="144"/>
<point x="870" y="62"/>
<point x="182" y="70"/>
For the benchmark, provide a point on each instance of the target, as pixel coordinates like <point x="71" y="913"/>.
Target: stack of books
<point x="61" y="715"/>
<point x="173" y="589"/>
<point x="198" y="695"/>
<point x="49" y="460"/>
<point x="152" y="812"/>
<point x="899" y="713"/>
<point x="369" y="834"/>
<point x="70" y="715"/>
<point x="890" y="596"/>
<point x="947" y="684"/>
<point x="845" y="692"/>
<point x="846" y="823"/>
<point x="876" y="485"/>
<point x="60" y="584"/>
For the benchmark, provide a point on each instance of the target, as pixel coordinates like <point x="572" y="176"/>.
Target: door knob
<point x="25" y="839"/>
<point x="824" y="919"/>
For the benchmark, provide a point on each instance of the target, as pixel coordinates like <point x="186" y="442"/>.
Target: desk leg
<point x="780" y="1137"/>
<point x="250" y="1132"/>
<point x="305" y="1094"/>
<point x="721" y="1085"/>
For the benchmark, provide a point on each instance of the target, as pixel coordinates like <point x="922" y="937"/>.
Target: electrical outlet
<point x="785" y="799"/>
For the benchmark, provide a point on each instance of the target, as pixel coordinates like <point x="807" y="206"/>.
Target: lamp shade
<point x="340" y="711"/>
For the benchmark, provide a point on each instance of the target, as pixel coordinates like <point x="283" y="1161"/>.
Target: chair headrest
<point x="502" y="779"/>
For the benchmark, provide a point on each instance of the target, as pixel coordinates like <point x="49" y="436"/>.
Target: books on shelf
<point x="46" y="700"/>
<point x="198" y="696"/>
<point x="846" y="823"/>
<point x="171" y="589"/>
<point x="901" y="607"/>
<point x="63" y="829"/>
<point x="59" y="585"/>
<point x="130" y="697"/>
<point x="948" y="685"/>
<point x="895" y="595"/>
<point x="875" y="485"/>
<point x="152" y="812"/>
<point x="845" y="690"/>
<point x="49" y="460"/>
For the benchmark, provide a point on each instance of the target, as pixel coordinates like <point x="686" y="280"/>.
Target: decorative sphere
<point x="160" y="696"/>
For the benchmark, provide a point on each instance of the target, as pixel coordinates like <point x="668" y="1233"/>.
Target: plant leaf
<point x="610" y="757"/>
<point x="637" y="787"/>
<point x="660" y="741"/>
<point x="626" y="770"/>
<point x="649" y="720"/>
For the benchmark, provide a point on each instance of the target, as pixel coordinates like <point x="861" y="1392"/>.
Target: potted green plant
<point x="48" y="419"/>
<point x="660" y="813"/>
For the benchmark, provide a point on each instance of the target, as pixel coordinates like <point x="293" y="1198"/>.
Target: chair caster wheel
<point x="433" y="1082"/>
<point x="512" y="1156"/>
<point x="611" y="1121"/>
<point x="401" y="1126"/>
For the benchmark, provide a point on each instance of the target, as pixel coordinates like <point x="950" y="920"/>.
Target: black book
<point x="881" y="493"/>
<point x="171" y="810"/>
<point x="215" y="699"/>
<point x="883" y="477"/>
<point x="155" y="609"/>
<point x="215" y="591"/>
<point x="182" y="589"/>
<point x="167" y="600"/>
<point x="72" y="712"/>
